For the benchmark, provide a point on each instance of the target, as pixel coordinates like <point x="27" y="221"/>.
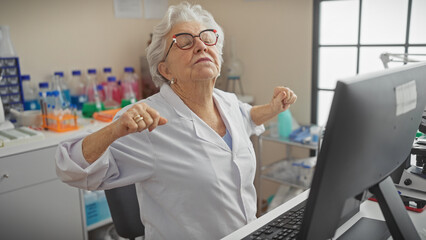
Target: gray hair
<point x="184" y="12"/>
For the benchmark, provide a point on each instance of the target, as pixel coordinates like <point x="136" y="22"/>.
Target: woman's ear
<point x="164" y="70"/>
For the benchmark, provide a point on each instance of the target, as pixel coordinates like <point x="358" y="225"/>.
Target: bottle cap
<point x="76" y="73"/>
<point x="55" y="93"/>
<point x="107" y="70"/>
<point x="111" y="79"/>
<point x="43" y="85"/>
<point x="61" y="74"/>
<point x="100" y="87"/>
<point x="128" y="69"/>
<point x="25" y="77"/>
<point x="91" y="71"/>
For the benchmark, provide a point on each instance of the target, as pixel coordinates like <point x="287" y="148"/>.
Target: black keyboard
<point x="284" y="227"/>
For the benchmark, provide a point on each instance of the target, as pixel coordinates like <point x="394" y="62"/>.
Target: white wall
<point x="54" y="35"/>
<point x="273" y="39"/>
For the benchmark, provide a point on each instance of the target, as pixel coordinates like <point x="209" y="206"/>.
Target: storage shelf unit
<point x="272" y="172"/>
<point x="283" y="172"/>
<point x="10" y="84"/>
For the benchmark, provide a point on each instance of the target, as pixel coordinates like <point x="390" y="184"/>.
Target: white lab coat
<point x="190" y="185"/>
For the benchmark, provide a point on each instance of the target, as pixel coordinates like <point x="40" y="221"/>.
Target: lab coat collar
<point x="202" y="130"/>
<point x="174" y="100"/>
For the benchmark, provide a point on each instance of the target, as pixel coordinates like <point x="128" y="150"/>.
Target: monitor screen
<point x="370" y="130"/>
<point x="422" y="127"/>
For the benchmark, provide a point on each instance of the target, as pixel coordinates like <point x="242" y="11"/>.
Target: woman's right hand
<point x="136" y="119"/>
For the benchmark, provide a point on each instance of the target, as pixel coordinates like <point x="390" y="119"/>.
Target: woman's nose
<point x="199" y="45"/>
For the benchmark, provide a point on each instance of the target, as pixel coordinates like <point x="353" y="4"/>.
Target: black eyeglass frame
<point x="179" y="34"/>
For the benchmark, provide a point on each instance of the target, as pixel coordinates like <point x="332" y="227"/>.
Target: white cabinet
<point x="34" y="203"/>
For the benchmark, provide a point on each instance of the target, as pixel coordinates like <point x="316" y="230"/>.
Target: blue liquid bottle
<point x="285" y="123"/>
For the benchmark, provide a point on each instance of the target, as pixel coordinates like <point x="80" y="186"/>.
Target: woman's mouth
<point x="203" y="60"/>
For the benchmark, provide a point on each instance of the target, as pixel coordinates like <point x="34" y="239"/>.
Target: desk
<point x="368" y="209"/>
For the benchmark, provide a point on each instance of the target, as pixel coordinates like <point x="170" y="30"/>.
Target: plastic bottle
<point x="91" y="83"/>
<point x="77" y="90"/>
<point x="56" y="85"/>
<point x="315" y="133"/>
<point x="43" y="88"/>
<point x="101" y="92"/>
<point x="128" y="86"/>
<point x="31" y="101"/>
<point x="137" y="87"/>
<point x="74" y="113"/>
<point x="57" y="101"/>
<point x="111" y="89"/>
<point x="115" y="88"/>
<point x="50" y="100"/>
<point x="91" y="205"/>
<point x="65" y="89"/>
<point x="42" y="94"/>
<point x="93" y="103"/>
<point x="53" y="112"/>
<point x="285" y="123"/>
<point x="106" y="73"/>
<point x="103" y="209"/>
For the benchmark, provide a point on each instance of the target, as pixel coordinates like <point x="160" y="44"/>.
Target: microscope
<point x="414" y="176"/>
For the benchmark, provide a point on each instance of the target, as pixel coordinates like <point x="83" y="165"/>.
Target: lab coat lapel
<point x="202" y="130"/>
<point x="227" y="114"/>
<point x="206" y="133"/>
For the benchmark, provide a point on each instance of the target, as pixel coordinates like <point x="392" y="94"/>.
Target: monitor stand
<point x="396" y="216"/>
<point x="367" y="228"/>
<point x="398" y="222"/>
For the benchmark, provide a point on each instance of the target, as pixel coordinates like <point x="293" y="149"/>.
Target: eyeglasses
<point x="185" y="41"/>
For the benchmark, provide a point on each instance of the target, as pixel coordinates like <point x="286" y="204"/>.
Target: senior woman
<point x="186" y="148"/>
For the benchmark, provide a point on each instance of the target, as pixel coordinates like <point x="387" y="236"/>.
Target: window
<point x="350" y="35"/>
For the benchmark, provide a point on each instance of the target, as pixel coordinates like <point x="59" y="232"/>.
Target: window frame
<point x="316" y="48"/>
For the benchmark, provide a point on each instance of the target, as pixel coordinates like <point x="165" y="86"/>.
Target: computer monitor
<point x="369" y="134"/>
<point x="422" y="127"/>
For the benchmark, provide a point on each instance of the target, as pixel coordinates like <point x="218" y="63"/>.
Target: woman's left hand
<point x="282" y="99"/>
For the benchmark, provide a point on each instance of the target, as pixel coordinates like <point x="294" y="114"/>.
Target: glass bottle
<point x="94" y="102"/>
<point x="111" y="89"/>
<point x="30" y="95"/>
<point x="59" y="85"/>
<point x="128" y="86"/>
<point x="77" y="90"/>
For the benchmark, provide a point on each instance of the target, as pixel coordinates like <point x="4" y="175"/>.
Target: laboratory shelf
<point x="283" y="171"/>
<point x="287" y="141"/>
<point x="99" y="224"/>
